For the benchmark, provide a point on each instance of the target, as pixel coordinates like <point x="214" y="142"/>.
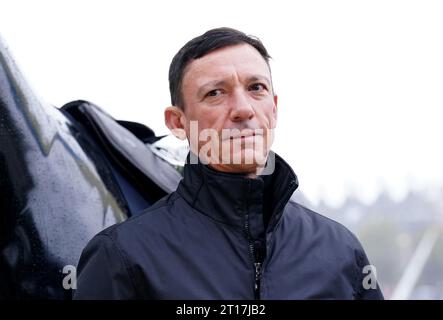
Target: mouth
<point x="245" y="134"/>
<point x="242" y="137"/>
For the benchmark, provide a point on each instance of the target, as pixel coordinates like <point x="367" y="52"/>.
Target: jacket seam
<point x="358" y="286"/>
<point x="197" y="193"/>
<point x="270" y="243"/>
<point x="149" y="210"/>
<point x="336" y="223"/>
<point x="125" y="263"/>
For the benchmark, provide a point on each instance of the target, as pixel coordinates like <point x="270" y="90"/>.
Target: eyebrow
<point x="220" y="83"/>
<point x="216" y="83"/>
<point x="257" y="77"/>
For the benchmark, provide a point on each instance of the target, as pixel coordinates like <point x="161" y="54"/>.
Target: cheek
<point x="267" y="115"/>
<point x="198" y="116"/>
<point x="211" y="118"/>
<point x="273" y="121"/>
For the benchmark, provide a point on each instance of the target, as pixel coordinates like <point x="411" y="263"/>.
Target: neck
<point x="248" y="170"/>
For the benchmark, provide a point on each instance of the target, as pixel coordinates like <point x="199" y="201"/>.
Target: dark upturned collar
<point x="233" y="198"/>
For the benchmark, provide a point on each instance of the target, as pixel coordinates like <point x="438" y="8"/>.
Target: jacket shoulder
<point x="315" y="222"/>
<point x="335" y="243"/>
<point x="148" y="218"/>
<point x="108" y="258"/>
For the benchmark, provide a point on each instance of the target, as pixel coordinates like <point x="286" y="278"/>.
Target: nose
<point x="241" y="107"/>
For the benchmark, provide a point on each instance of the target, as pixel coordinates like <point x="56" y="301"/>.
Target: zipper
<point x="256" y="251"/>
<point x="258" y="266"/>
<point x="256" y="260"/>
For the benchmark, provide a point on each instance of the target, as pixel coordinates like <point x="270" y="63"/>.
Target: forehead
<point x="239" y="61"/>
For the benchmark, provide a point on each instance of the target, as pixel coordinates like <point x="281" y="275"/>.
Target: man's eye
<point x="257" y="87"/>
<point x="214" y="93"/>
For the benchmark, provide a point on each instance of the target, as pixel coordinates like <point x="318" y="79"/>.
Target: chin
<point x="246" y="161"/>
<point x="236" y="168"/>
<point x="248" y="158"/>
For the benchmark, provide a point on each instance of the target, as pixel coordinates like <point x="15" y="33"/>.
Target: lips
<point x="243" y="134"/>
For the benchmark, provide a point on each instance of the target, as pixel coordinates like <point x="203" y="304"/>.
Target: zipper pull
<point x="257" y="275"/>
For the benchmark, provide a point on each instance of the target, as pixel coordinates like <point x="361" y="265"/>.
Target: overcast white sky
<point x="360" y="83"/>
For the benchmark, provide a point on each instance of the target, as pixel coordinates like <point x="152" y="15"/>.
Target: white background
<point x="360" y="83"/>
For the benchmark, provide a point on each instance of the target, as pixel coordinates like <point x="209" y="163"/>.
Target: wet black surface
<point x="61" y="182"/>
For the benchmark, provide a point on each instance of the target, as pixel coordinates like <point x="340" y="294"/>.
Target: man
<point x="230" y="231"/>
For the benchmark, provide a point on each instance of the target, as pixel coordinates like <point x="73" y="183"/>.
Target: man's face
<point x="228" y="95"/>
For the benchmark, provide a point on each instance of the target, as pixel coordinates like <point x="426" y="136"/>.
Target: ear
<point x="175" y="120"/>
<point x="274" y="109"/>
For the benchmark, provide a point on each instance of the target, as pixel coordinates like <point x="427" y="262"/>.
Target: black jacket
<point x="224" y="236"/>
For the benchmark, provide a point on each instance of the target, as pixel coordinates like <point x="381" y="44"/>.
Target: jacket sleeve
<point x="367" y="287"/>
<point x="103" y="272"/>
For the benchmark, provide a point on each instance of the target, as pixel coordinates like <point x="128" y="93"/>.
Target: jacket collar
<point x="234" y="199"/>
